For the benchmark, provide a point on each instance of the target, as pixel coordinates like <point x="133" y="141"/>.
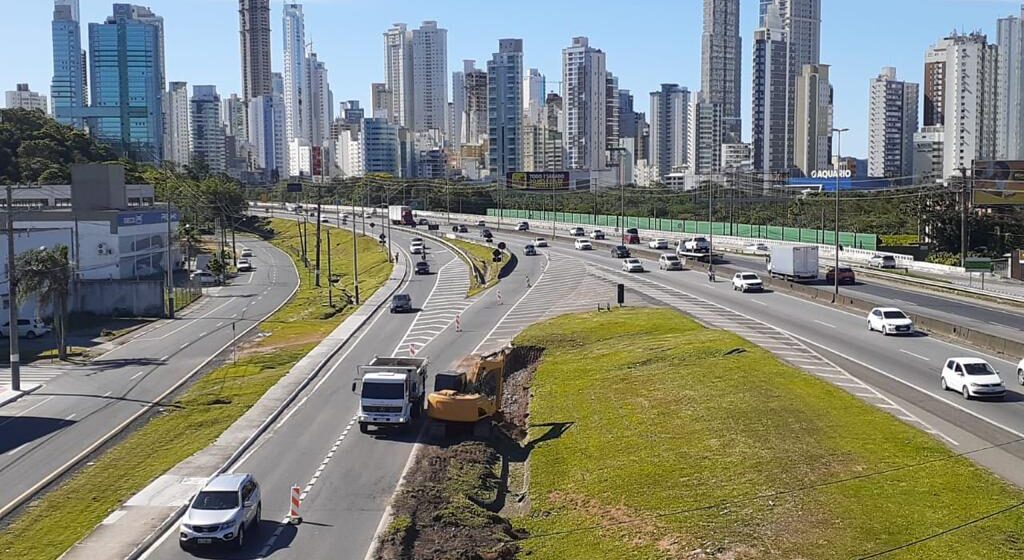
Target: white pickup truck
<point x="391" y="392"/>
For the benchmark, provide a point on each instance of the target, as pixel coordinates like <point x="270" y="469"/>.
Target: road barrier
<point x="293" y="510"/>
<point x="458" y="323"/>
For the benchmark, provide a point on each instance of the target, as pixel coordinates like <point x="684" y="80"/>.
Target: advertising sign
<point x="546" y="180"/>
<point x="998" y="183"/>
<point x="144" y="218"/>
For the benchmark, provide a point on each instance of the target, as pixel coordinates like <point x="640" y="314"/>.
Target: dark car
<point x="846" y="275"/>
<point x="401" y="303"/>
<point x="486" y="234"/>
<point x="530" y="251"/>
<point x="631" y="237"/>
<point x="422" y="267"/>
<point x="423" y="222"/>
<point x="620" y="252"/>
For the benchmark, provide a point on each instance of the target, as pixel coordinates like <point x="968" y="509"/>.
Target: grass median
<point x="675" y="441"/>
<point x="482" y="258"/>
<point x="50" y="525"/>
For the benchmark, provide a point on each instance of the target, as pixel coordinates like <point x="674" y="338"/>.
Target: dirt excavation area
<point x="639" y="434"/>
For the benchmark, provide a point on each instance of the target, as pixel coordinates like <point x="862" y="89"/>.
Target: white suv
<point x="28" y="328"/>
<point x="670" y="262"/>
<point x="583" y="245"/>
<point x="659" y="244"/>
<point x="227" y="507"/>
<point x="972" y="377"/>
<point x="747" y="281"/>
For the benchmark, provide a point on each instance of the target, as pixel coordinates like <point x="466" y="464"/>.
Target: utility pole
<point x="220" y="253"/>
<point x="330" y="288"/>
<point x="12" y="290"/>
<point x="448" y="199"/>
<point x="387" y="219"/>
<point x="170" y="268"/>
<point x="839" y="155"/>
<point x="355" y="254"/>
<point x="234" y="246"/>
<point x="317" y="267"/>
<point x="711" y="228"/>
<point x="963" y="218"/>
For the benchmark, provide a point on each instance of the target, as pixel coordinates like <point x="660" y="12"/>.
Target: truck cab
<point x="391" y="392"/>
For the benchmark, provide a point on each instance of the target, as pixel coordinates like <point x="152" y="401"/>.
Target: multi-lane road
<point x="45" y="433"/>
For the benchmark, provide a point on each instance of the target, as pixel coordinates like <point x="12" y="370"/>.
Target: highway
<point x="44" y="433"/>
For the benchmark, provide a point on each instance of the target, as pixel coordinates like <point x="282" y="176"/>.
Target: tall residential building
<point x="429" y="77"/>
<point x="928" y="154"/>
<point x="611" y="113"/>
<point x="474" y="122"/>
<point x="267" y="136"/>
<point x="505" y="107"/>
<point x="296" y="74"/>
<point x="68" y="87"/>
<point x="254" y="27"/>
<point x="534" y="89"/>
<point x="935" y="84"/>
<point x="399" y="75"/>
<point x="127" y="88"/>
<point x="380" y="147"/>
<point x="1010" y="86"/>
<point x="380" y="101"/>
<point x="707" y="133"/>
<point x="721" y="62"/>
<point x="207" y="129"/>
<point x="177" y="124"/>
<point x="584" y="88"/>
<point x="670" y="129"/>
<point x="458" y="106"/>
<point x="321" y="103"/>
<point x="277" y="84"/>
<point x="813" y="134"/>
<point x="969" y="113"/>
<point x="770" y="99"/>
<point x="24" y="98"/>
<point x="233" y="117"/>
<point x="892" y="123"/>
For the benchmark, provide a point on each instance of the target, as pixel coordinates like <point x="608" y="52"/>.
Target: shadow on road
<point x="272" y="536"/>
<point x="100" y="366"/>
<point x="109" y="398"/>
<point x="16" y="431"/>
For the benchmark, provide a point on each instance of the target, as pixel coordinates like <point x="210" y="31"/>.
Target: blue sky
<point x="647" y="41"/>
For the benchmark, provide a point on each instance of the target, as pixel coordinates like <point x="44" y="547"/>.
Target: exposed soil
<point x="520" y="366"/>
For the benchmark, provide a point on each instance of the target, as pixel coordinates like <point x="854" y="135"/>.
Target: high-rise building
<point x="969" y="113"/>
<point x="474" y="122"/>
<point x="351" y="113"/>
<point x="380" y="147"/>
<point x="670" y="129"/>
<point x="277" y="84"/>
<point x="706" y="135"/>
<point x="542" y="149"/>
<point x="380" y="101"/>
<point x="429" y="76"/>
<point x="458" y="106"/>
<point x="721" y="62"/>
<point x="935" y="84"/>
<point x="267" y="136"/>
<point x="584" y="88"/>
<point x="127" y="88"/>
<point x="1010" y="86"/>
<point x="254" y="26"/>
<point x="813" y="138"/>
<point x="398" y="73"/>
<point x="928" y="154"/>
<point x="892" y="123"/>
<point x="207" y="130"/>
<point x="505" y="107"/>
<point x="24" y="98"/>
<point x="177" y="125"/>
<point x="736" y="157"/>
<point x="770" y="99"/>
<point x="611" y="113"/>
<point x="233" y="117"/>
<point x="534" y="89"/>
<point x="296" y="74"/>
<point x="68" y="87"/>
<point x="321" y="103"/>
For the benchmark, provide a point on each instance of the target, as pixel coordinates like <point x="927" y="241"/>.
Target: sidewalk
<point x="8" y="395"/>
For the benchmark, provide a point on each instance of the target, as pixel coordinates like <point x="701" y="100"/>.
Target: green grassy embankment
<point x="482" y="258"/>
<point x="62" y="517"/>
<point x="674" y="443"/>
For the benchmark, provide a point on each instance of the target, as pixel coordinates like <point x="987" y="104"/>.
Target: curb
<point x="9" y="396"/>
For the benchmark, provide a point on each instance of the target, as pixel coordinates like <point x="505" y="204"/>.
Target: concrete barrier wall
<point x="134" y="298"/>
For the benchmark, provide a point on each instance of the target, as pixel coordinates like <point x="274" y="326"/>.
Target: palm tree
<point x="46" y="274"/>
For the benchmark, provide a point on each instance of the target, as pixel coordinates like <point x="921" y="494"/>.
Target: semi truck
<point x="401" y="216"/>
<point x="795" y="263"/>
<point x="391" y="391"/>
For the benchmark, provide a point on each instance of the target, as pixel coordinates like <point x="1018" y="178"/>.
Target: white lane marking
<point x="918" y="356"/>
<point x="187" y="324"/>
<point x="71" y="416"/>
<point x="829" y="325"/>
<point x="27" y="410"/>
<point x="107" y="394"/>
<point x="547" y="263"/>
<point x="164" y="359"/>
<point x="136" y="375"/>
<point x="759" y="302"/>
<point x="16" y="449"/>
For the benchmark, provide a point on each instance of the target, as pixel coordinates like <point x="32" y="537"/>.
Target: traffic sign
<point x="502" y="246"/>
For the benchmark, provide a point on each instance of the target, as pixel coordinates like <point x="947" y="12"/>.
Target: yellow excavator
<point x="470" y="396"/>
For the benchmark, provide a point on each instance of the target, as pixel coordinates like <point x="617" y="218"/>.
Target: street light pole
<point x="963" y="218"/>
<point x="317" y="267"/>
<point x="12" y="297"/>
<point x="839" y="151"/>
<point x="711" y="229"/>
<point x="355" y="251"/>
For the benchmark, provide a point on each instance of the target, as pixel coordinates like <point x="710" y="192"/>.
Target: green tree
<point x="46" y="275"/>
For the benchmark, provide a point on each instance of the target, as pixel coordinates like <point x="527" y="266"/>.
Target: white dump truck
<point x="391" y="392"/>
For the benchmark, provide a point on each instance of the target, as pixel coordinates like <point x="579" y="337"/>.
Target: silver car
<point x="222" y="512"/>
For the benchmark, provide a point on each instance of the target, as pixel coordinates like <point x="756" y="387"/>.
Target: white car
<point x="28" y="328"/>
<point x="972" y="377"/>
<point x="632" y="265"/>
<point x="758" y="249"/>
<point x="597" y="234"/>
<point x="889" y="320"/>
<point x="577" y="232"/>
<point x="659" y="244"/>
<point x="417" y="247"/>
<point x="244" y="265"/>
<point x="583" y="245"/>
<point x="746" y="282"/>
<point x="523" y="226"/>
<point x="222" y="512"/>
<point x="670" y="262"/>
<point x="247" y="253"/>
<point x="540" y="242"/>
<point x="204" y="277"/>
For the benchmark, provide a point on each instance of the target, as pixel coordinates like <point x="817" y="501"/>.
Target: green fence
<point x="867" y="241"/>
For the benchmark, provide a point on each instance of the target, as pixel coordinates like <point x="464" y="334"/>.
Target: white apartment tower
<point x="398" y="63"/>
<point x="813" y="138"/>
<point x="320" y="102"/>
<point x="892" y="123"/>
<point x="1010" y="86"/>
<point x="584" y="87"/>
<point x="207" y="131"/>
<point x="296" y="74"/>
<point x="707" y="133"/>
<point x="474" y="120"/>
<point x="177" y="128"/>
<point x="721" y="62"/>
<point x="970" y="107"/>
<point x="533" y="97"/>
<point x="429" y="76"/>
<point x="670" y="129"/>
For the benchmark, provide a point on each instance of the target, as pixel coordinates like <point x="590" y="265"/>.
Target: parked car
<point x="540" y="242"/>
<point x="632" y="265"/>
<point x="577" y="232"/>
<point x="523" y="226"/>
<point x="882" y="261"/>
<point x="620" y="252"/>
<point x="204" y="277"/>
<point x="401" y="303"/>
<point x="746" y="282"/>
<point x="889" y="320"/>
<point x="27" y="328"/>
<point x="247" y="253"/>
<point x="631" y="237"/>
<point x="972" y="377"/>
<point x="670" y="262"/>
<point x="422" y="267"/>
<point x="222" y="512"/>
<point x="597" y="234"/>
<point x="481" y="223"/>
<point x="244" y="265"/>
<point x="846" y="275"/>
<point x="758" y="249"/>
<point x="530" y="251"/>
<point x="658" y="244"/>
<point x="583" y="245"/>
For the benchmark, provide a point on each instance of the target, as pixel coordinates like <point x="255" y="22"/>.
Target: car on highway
<point x="481" y="223"/>
<point x="846" y="275"/>
<point x="620" y="252"/>
<point x="890" y="320"/>
<point x="523" y="226"/>
<point x="27" y="328"/>
<point x="577" y="232"/>
<point x="972" y="377"/>
<point x="417" y="247"/>
<point x="597" y="235"/>
<point x="757" y="249"/>
<point x="631" y="237"/>
<point x="204" y="277"/>
<point x="422" y="267"/>
<point x="247" y="253"/>
<point x="747" y="282"/>
<point x="540" y="242"/>
<point x="882" y="261"/>
<point x="486" y="233"/>
<point x="632" y="265"/>
<point x="222" y="512"/>
<point x="401" y="303"/>
<point x="694" y="245"/>
<point x="244" y="265"/>
<point x="423" y="222"/>
<point x="325" y="220"/>
<point x="461" y="228"/>
<point x="658" y="244"/>
<point x="583" y="245"/>
<point x="670" y="262"/>
<point x="530" y="251"/>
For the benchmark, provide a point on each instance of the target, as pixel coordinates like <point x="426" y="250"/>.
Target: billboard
<point x="998" y="183"/>
<point x="540" y="180"/>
